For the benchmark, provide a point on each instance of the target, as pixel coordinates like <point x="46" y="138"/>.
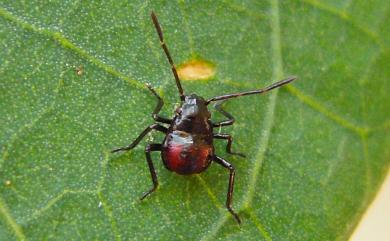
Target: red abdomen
<point x="186" y="153"/>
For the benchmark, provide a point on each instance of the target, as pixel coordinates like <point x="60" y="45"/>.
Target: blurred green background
<point x="72" y="87"/>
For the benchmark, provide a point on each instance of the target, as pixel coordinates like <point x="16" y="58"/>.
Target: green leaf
<point x="72" y="87"/>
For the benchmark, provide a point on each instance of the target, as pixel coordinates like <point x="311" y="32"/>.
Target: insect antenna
<point x="164" y="46"/>
<point x="252" y="92"/>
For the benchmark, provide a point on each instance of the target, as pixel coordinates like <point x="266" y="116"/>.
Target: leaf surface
<point x="72" y="85"/>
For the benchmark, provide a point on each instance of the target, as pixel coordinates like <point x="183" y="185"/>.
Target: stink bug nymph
<point x="188" y="145"/>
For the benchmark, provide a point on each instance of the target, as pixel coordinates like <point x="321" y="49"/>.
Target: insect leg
<point x="229" y="138"/>
<point x="227" y="122"/>
<point x="160" y="104"/>
<point x="165" y="48"/>
<point x="155" y="126"/>
<point x="229" y="198"/>
<point x="148" y="149"/>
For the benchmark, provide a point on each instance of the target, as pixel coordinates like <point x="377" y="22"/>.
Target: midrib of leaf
<point x="277" y="69"/>
<point x="276" y="53"/>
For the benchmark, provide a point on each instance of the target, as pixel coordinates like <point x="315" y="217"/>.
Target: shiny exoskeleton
<point x="188" y="145"/>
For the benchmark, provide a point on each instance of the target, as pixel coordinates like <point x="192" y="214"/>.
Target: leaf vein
<point x="316" y="105"/>
<point x="66" y="43"/>
<point x="187" y="27"/>
<point x="28" y="126"/>
<point x="50" y="203"/>
<point x="216" y="227"/>
<point x="343" y="15"/>
<point x="310" y="179"/>
<point x="244" y="10"/>
<point x="210" y="193"/>
<point x="259" y="226"/>
<point x="82" y="127"/>
<point x="11" y="221"/>
<point x="99" y="190"/>
<point x="108" y="211"/>
<point x="368" y="176"/>
<point x="325" y="111"/>
<point x="276" y="53"/>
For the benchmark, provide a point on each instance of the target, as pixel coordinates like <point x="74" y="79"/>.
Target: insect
<point x="188" y="144"/>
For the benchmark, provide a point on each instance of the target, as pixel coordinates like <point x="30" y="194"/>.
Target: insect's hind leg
<point x="229" y="197"/>
<point x="156" y="110"/>
<point x="155" y="126"/>
<point x="229" y="138"/>
<point x="227" y="122"/>
<point x="149" y="148"/>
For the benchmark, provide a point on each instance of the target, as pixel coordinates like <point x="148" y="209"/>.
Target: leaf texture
<point x="72" y="87"/>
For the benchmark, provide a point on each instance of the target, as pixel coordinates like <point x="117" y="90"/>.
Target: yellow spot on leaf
<point x="196" y="70"/>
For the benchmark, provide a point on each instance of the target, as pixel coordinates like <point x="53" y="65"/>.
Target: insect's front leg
<point x="229" y="197"/>
<point x="155" y="126"/>
<point x="160" y="104"/>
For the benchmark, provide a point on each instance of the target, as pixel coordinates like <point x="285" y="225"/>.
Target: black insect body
<point x="188" y="145"/>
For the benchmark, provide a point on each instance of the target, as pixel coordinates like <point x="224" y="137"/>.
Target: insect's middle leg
<point x="229" y="197"/>
<point x="149" y="148"/>
<point x="156" y="126"/>
<point x="229" y="138"/>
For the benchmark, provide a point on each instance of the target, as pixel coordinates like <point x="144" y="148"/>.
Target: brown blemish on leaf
<point x="79" y="70"/>
<point x="196" y="70"/>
